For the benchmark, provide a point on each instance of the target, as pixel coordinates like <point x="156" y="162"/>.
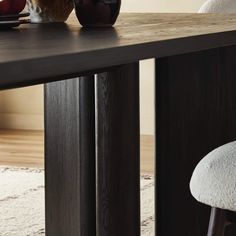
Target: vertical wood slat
<point x="70" y="157"/>
<point x="195" y="113"/>
<point x="118" y="152"/>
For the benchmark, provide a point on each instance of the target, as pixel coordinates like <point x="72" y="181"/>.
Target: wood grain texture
<point x="195" y="113"/>
<point x="118" y="152"/>
<point x="21" y="148"/>
<point x="147" y="153"/>
<point x="70" y="190"/>
<point x="41" y="53"/>
<point x="25" y="148"/>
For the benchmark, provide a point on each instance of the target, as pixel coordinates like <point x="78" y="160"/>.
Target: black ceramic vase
<point x="97" y="13"/>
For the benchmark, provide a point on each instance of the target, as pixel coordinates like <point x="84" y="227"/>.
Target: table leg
<point x="195" y="113"/>
<point x="70" y="158"/>
<point x="118" y="151"/>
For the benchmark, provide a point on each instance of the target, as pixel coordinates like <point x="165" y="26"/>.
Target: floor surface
<point x="26" y="148"/>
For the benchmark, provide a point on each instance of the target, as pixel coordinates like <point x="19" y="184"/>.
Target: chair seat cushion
<point x="218" y="6"/>
<point x="214" y="179"/>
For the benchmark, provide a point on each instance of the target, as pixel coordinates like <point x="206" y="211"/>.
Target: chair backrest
<point x="218" y="6"/>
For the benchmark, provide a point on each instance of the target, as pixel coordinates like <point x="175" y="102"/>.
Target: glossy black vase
<point x="97" y="13"/>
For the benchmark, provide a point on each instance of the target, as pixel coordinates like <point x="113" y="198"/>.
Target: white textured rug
<point x="22" y="203"/>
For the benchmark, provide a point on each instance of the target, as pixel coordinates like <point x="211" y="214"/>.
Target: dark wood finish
<point x="118" y="152"/>
<point x="195" y="113"/>
<point x="42" y="53"/>
<point x="217" y="222"/>
<point x="70" y="158"/>
<point x="219" y="219"/>
<point x="231" y="217"/>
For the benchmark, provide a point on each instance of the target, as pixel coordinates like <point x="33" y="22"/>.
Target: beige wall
<point x="161" y="5"/>
<point x="23" y="108"/>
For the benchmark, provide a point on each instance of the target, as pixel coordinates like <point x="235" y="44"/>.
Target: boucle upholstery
<point x="219" y="6"/>
<point x="214" y="180"/>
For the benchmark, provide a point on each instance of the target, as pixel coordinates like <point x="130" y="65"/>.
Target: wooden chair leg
<point x="218" y="221"/>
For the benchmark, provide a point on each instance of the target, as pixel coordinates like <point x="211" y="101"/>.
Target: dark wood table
<point x="91" y="79"/>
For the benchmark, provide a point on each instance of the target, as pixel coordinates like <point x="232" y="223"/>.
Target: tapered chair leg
<point x="218" y="221"/>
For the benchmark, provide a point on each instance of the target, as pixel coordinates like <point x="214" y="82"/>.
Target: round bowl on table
<point x="11" y="7"/>
<point x="97" y="13"/>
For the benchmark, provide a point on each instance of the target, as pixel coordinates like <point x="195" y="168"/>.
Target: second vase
<point x="97" y="13"/>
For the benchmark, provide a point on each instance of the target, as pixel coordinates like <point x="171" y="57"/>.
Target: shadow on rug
<point x="22" y="203"/>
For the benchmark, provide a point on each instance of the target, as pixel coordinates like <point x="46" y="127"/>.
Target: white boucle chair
<point x="214" y="183"/>
<point x="218" y="6"/>
<point x="214" y="180"/>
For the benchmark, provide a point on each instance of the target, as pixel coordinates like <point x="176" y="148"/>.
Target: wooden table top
<point x="35" y="54"/>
